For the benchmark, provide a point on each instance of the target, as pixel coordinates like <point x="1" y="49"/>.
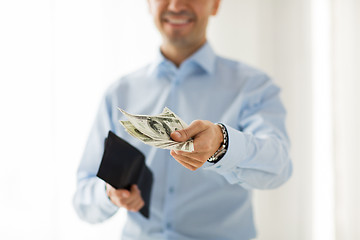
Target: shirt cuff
<point x="102" y="198"/>
<point x="235" y="153"/>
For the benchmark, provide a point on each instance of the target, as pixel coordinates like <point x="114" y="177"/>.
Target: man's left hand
<point x="207" y="137"/>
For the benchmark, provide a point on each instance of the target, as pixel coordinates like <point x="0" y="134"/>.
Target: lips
<point x="178" y="21"/>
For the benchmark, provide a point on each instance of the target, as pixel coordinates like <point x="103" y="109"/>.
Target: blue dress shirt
<point x="215" y="201"/>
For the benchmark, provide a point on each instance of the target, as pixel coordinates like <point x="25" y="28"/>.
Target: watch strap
<point x="223" y="147"/>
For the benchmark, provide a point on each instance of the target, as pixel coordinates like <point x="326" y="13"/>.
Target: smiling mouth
<point x="178" y="21"/>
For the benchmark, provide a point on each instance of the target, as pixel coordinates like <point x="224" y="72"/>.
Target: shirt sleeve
<point x="90" y="200"/>
<point x="258" y="151"/>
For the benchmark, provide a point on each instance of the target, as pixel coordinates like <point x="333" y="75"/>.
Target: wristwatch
<point x="223" y="148"/>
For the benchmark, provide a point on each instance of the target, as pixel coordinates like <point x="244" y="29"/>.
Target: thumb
<point x="124" y="193"/>
<point x="189" y="132"/>
<point x="134" y="188"/>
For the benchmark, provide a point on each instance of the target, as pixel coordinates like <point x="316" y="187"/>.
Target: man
<point x="205" y="194"/>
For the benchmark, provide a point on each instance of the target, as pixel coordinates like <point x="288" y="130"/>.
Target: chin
<point x="177" y="39"/>
<point x="179" y="42"/>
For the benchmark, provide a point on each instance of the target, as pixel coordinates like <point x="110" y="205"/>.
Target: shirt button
<point x="171" y="189"/>
<point x="168" y="225"/>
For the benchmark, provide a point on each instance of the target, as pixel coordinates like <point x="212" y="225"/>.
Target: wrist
<point x="107" y="191"/>
<point x="223" y="145"/>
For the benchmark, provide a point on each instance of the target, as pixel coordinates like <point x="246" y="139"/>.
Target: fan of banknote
<point x="156" y="130"/>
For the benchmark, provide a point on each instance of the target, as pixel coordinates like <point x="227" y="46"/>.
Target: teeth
<point x="178" y="21"/>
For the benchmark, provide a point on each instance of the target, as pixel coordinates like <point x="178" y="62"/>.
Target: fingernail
<point x="124" y="195"/>
<point x="177" y="134"/>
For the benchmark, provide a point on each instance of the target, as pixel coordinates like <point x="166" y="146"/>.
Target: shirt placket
<point x="172" y="177"/>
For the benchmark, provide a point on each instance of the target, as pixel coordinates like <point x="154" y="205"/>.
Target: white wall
<point x="26" y="101"/>
<point x="346" y="105"/>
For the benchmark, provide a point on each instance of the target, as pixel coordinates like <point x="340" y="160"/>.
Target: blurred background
<point x="58" y="56"/>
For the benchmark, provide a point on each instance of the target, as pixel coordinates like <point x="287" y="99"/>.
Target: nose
<point x="177" y="5"/>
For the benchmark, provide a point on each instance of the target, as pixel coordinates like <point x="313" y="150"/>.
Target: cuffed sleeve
<point x="92" y="203"/>
<point x="253" y="162"/>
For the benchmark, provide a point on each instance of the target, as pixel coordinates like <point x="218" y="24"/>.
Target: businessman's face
<point x="182" y="23"/>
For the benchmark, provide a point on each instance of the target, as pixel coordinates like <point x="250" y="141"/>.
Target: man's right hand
<point x="131" y="200"/>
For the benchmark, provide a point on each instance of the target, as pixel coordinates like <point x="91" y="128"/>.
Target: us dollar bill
<point x="156" y="130"/>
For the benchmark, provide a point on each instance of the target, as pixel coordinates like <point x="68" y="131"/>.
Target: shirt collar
<point x="204" y="57"/>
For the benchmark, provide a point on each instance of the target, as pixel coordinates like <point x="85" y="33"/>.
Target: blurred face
<point x="182" y="23"/>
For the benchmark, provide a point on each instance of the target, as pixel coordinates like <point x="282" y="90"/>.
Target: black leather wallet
<point x="123" y="165"/>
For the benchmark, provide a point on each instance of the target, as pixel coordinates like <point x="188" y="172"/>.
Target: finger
<point x="197" y="156"/>
<point x="129" y="205"/>
<point x="111" y="191"/>
<point x="124" y="201"/>
<point x="121" y="196"/>
<point x="140" y="205"/>
<point x="187" y="162"/>
<point x="135" y="190"/>
<point x="135" y="199"/>
<point x="133" y="195"/>
<point x="123" y="193"/>
<point x="136" y="205"/>
<point x="195" y="127"/>
<point x="117" y="196"/>
<point x="188" y="166"/>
